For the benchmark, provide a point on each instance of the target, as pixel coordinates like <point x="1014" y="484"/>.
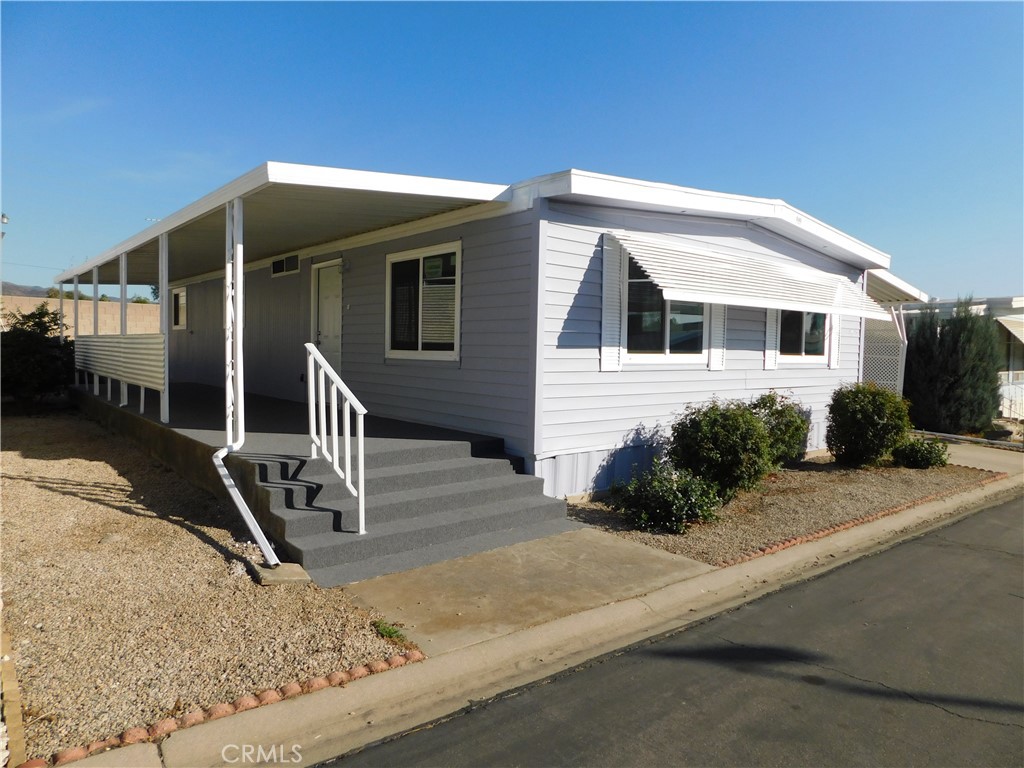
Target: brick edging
<point x="11" y="702"/>
<point x="772" y="548"/>
<point x="163" y="728"/>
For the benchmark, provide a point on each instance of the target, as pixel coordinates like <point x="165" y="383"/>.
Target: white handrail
<point x="323" y="433"/>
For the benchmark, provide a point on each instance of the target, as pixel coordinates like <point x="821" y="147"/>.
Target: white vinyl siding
<point x="595" y="406"/>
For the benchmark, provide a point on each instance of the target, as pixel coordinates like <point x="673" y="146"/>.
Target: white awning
<point x="1014" y="324"/>
<point x="684" y="272"/>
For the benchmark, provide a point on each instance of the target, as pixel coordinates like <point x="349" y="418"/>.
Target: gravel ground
<point x="127" y="596"/>
<point x="815" y="496"/>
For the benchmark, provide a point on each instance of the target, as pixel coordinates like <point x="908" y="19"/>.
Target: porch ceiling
<point x="287" y="208"/>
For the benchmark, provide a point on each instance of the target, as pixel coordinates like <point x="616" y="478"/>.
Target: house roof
<point x="775" y="215"/>
<point x="302" y="208"/>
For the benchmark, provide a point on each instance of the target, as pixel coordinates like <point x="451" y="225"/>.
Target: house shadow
<point x="581" y="328"/>
<point x="777" y="662"/>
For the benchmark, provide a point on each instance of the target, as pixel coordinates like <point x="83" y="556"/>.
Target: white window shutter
<point x="771" y="339"/>
<point x="716" y="358"/>
<point x="611" y="305"/>
<point x="834" y="337"/>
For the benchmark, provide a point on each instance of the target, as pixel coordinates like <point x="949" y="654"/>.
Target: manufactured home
<point x="568" y="316"/>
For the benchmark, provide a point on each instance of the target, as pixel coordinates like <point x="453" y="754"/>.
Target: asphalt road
<point x="914" y="656"/>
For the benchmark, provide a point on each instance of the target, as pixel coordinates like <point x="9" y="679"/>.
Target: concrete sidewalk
<point x="501" y="619"/>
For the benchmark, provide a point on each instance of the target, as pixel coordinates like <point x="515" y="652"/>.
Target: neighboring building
<point x="568" y="314"/>
<point x="1008" y="312"/>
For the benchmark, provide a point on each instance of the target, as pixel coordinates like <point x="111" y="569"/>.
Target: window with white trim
<point x="179" y="308"/>
<point x="802" y="333"/>
<point x="656" y="326"/>
<point x="422" y="315"/>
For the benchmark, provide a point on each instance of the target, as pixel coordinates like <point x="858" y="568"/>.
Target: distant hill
<point x="13" y="289"/>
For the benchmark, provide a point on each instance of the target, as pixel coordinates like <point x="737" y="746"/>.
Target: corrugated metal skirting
<point x="137" y="359"/>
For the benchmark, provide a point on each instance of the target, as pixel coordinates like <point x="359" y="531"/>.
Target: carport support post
<point x="165" y="325"/>
<point x="234" y="326"/>
<point x="96" y="322"/>
<point x="123" y="265"/>
<point x="74" y="298"/>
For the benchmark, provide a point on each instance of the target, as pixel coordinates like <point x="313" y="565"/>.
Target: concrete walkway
<point x="501" y="619"/>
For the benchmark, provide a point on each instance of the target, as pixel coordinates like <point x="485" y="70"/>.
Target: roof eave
<point x="772" y="214"/>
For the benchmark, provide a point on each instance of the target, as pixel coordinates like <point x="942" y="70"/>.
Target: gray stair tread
<point x="496" y="510"/>
<point x="377" y="500"/>
<point x="400" y="470"/>
<point x="361" y="570"/>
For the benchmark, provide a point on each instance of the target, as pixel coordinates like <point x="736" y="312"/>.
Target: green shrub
<point x="865" y="422"/>
<point x="726" y="444"/>
<point x="665" y="499"/>
<point x="35" y="361"/>
<point x="787" y="427"/>
<point x="921" y="454"/>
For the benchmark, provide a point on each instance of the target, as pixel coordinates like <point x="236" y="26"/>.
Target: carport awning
<point x="1014" y="324"/>
<point x="687" y="273"/>
<point x="288" y="208"/>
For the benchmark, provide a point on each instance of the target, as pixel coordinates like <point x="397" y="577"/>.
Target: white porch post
<point x="60" y="308"/>
<point x="74" y="298"/>
<point x="165" y="326"/>
<point x="95" y="321"/>
<point x="123" y="268"/>
<point x="234" y="325"/>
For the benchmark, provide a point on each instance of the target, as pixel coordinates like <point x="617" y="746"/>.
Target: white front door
<point x="327" y="333"/>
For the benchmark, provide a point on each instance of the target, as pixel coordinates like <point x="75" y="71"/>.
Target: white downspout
<point x="123" y="269"/>
<point x="165" y="326"/>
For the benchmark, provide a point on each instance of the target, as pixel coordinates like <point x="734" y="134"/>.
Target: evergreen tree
<point x="952" y="372"/>
<point x="924" y="370"/>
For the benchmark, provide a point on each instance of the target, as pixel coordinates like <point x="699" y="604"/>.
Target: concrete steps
<point x="427" y="500"/>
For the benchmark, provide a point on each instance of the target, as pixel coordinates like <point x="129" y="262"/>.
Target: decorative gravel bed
<point x="816" y="496"/>
<point x="128" y="597"/>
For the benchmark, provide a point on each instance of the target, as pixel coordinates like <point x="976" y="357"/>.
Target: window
<point x="179" y="314"/>
<point x="802" y="333"/>
<point x="655" y="326"/>
<point x="423" y="303"/>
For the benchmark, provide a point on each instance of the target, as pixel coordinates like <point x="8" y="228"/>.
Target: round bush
<point x="665" y="499"/>
<point x="921" y="454"/>
<point x="787" y="427"/>
<point x="723" y="443"/>
<point x="865" y="422"/>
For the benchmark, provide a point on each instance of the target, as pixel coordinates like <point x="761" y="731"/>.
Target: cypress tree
<point x="924" y="372"/>
<point x="952" y="372"/>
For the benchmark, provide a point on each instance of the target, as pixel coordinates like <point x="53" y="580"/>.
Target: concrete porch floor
<point x="273" y="426"/>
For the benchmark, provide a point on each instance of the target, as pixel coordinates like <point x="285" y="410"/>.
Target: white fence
<point x="1011" y="388"/>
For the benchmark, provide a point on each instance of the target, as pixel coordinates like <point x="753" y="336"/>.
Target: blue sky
<point x="901" y="124"/>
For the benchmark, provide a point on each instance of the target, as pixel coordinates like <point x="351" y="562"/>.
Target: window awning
<point x="1014" y="324"/>
<point x="687" y="273"/>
